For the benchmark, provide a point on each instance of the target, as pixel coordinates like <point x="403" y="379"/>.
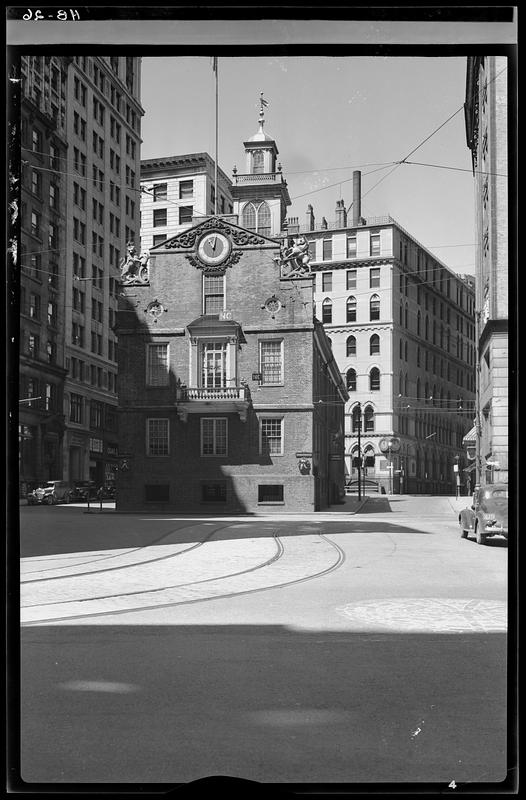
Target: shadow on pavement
<point x="68" y="532"/>
<point x="155" y="704"/>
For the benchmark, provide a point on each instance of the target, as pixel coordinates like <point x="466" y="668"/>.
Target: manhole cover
<point x="429" y="614"/>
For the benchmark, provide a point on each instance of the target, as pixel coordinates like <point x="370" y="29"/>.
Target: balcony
<point x="257" y="177"/>
<point x="216" y="400"/>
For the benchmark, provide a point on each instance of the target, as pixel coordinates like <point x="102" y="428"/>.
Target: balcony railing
<point x="225" y="393"/>
<point x="258" y="177"/>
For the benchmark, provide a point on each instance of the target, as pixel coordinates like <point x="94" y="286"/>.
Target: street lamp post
<point x="359" y="417"/>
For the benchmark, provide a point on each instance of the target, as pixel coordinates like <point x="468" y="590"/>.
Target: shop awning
<point x="470" y="437"/>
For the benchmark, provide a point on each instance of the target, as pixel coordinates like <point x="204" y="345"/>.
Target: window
<point x="270" y="493"/>
<point x="96" y="410"/>
<point x="156" y="493"/>
<point x="350" y="380"/>
<point x="157" y="433"/>
<point x="327" y="249"/>
<point x="159" y="217"/>
<point x="76" y="408"/>
<point x="326" y="311"/>
<point x="351" y="346"/>
<point x="271" y="362"/>
<point x="185" y="214"/>
<point x="375" y="244"/>
<point x="213" y="365"/>
<point x="368" y="419"/>
<point x="213" y="492"/>
<point x="351" y="309"/>
<point x="213" y="294"/>
<point x="36" y="183"/>
<point x="33" y="345"/>
<point x="157" y="364"/>
<point x="186" y="189"/>
<point x="326" y="282"/>
<point x="271" y="436"/>
<point x="257" y="218"/>
<point x="374" y="344"/>
<point x="35" y="223"/>
<point x="351" y="279"/>
<point x="214" y="436"/>
<point x="374" y="380"/>
<point x="53" y="196"/>
<point x="159" y="239"/>
<point x="351" y="248"/>
<point x="258" y="162"/>
<point x="374" y="307"/>
<point x="160" y="192"/>
<point x="36" y="141"/>
<point x="374" y="278"/>
<point x="356" y="418"/>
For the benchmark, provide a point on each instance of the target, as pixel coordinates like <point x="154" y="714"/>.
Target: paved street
<point x="365" y="644"/>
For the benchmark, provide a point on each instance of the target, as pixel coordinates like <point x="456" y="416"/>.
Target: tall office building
<point x="177" y="192"/>
<point x="402" y="328"/>
<point x="486" y="116"/>
<point x="81" y="121"/>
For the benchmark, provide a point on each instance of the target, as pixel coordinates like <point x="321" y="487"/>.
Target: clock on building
<point x="214" y="248"/>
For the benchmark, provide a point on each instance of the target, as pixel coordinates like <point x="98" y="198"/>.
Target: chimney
<point x="341" y="214"/>
<point x="310" y="218"/>
<point x="356" y="197"/>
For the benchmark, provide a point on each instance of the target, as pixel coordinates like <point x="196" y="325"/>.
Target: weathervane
<point x="262" y="105"/>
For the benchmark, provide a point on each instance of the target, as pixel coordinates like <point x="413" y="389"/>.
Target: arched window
<point x="249" y="217"/>
<point x="326" y="310"/>
<point x="351" y="346"/>
<point x="264" y="219"/>
<point x="400" y="383"/>
<point x="257" y="161"/>
<point x="356" y="419"/>
<point x="368" y="419"/>
<point x="426" y="392"/>
<point x="418" y="388"/>
<point x="351" y="380"/>
<point x="374" y="307"/>
<point x="406" y="385"/>
<point x="351" y="309"/>
<point x="427" y="328"/>
<point x="401" y="313"/>
<point x="406" y="316"/>
<point x="374" y="380"/>
<point x="374" y="344"/>
<point x="418" y="322"/>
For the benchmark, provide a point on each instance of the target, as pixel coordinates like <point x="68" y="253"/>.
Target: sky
<point x="330" y="116"/>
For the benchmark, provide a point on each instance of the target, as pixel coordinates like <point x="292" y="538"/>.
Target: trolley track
<point x="215" y="590"/>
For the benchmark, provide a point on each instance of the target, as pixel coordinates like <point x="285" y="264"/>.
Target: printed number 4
<point x="452" y="785"/>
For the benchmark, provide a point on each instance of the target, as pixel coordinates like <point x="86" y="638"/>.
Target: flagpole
<point x="217" y="117"/>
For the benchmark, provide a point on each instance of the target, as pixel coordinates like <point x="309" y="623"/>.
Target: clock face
<point x="213" y="248"/>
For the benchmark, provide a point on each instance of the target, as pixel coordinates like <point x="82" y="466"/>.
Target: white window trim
<point x="157" y="419"/>
<point x="203" y="292"/>
<point x="213" y="455"/>
<point x="282" y="353"/>
<point x="272" y="416"/>
<point x="147" y="364"/>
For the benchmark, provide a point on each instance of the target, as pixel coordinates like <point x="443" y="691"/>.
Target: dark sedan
<point x="488" y="514"/>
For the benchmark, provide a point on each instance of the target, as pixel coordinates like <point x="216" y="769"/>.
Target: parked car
<point x="106" y="492"/>
<point x="488" y="513"/>
<point x="50" y="493"/>
<point x="84" y="489"/>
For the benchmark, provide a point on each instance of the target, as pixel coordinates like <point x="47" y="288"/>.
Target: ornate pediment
<point x="240" y="237"/>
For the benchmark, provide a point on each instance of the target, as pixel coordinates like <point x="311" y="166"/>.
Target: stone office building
<point x="486" y="118"/>
<point x="402" y="328"/>
<point x="230" y="399"/>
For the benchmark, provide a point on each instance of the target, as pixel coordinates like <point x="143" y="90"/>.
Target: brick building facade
<point x="230" y="398"/>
